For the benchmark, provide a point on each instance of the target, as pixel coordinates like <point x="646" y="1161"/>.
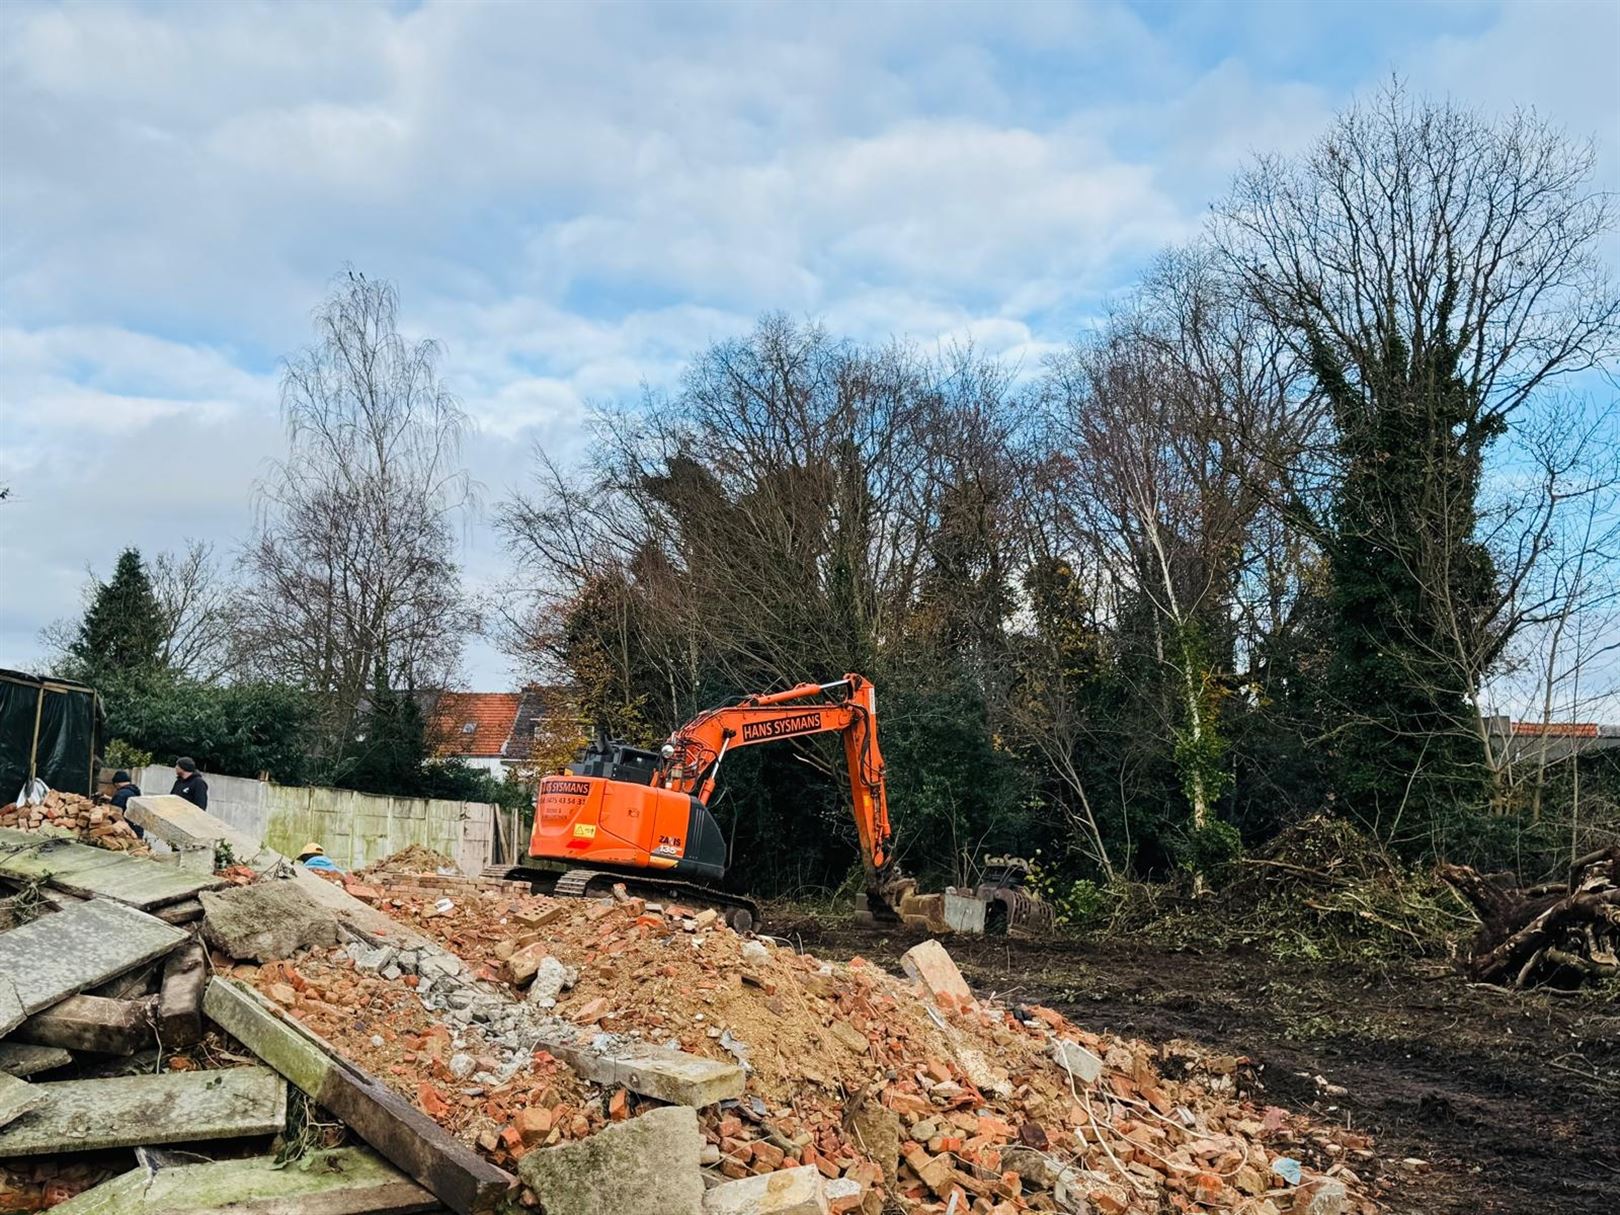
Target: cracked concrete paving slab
<point x="63" y="953"/>
<point x="131" y="1111"/>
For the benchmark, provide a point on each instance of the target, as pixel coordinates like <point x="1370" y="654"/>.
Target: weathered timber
<point x="92" y="1023"/>
<point x="88" y="871"/>
<point x="17" y="1097"/>
<point x="343" y="1181"/>
<point x="62" y="954"/>
<point x="23" y="1059"/>
<point x="461" y="1179"/>
<point x="179" y="1003"/>
<point x="171" y="1107"/>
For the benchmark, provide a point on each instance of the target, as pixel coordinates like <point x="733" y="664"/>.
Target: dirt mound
<point x="417" y="858"/>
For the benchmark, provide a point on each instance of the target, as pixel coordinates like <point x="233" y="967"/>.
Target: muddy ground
<point x="1512" y="1100"/>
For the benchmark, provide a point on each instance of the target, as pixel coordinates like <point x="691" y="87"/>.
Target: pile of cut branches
<point x="1558" y="934"/>
<point x="1321" y="890"/>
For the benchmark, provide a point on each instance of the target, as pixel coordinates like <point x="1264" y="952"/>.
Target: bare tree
<point x="353" y="579"/>
<point x="199" y="608"/>
<point x="1171" y="421"/>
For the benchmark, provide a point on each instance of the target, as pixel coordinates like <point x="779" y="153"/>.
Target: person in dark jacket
<point x="123" y="790"/>
<point x="188" y="784"/>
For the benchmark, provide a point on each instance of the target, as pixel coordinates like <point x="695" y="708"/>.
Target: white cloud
<point x="573" y="198"/>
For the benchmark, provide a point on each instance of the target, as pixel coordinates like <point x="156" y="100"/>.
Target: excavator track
<point x="741" y="913"/>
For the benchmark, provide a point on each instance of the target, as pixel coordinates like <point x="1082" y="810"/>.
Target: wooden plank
<point x="61" y="954"/>
<point x="179" y="1006"/>
<point x="343" y="1181"/>
<point x="97" y="1024"/>
<point x="129" y="1111"/>
<point x="22" y="1059"/>
<point x="461" y="1179"/>
<point x="84" y="870"/>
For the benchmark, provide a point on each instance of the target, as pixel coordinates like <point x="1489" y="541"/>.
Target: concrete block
<point x="1076" y="1060"/>
<point x="266" y="921"/>
<point x="963" y="913"/>
<point x="652" y="1071"/>
<point x="785" y="1192"/>
<point x="931" y="966"/>
<point x="92" y="1023"/>
<point x="648" y="1165"/>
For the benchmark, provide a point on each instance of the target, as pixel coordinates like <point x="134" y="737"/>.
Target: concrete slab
<point x="17" y="1097"/>
<point x="177" y="822"/>
<point x="88" y="871"/>
<point x="344" y="1181"/>
<point x="22" y="1059"/>
<point x="930" y="965"/>
<point x="648" y="1165"/>
<point x="62" y="954"/>
<point x="127" y="1111"/>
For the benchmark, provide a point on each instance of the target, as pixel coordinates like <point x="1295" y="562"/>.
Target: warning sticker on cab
<point x="584" y="831"/>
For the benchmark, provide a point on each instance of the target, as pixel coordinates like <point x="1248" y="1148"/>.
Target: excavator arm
<point x="694" y="754"/>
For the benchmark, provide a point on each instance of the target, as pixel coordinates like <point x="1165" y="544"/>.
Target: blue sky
<point x="573" y="198"/>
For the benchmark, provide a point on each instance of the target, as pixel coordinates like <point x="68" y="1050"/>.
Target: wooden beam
<point x="461" y="1179"/>
<point x="132" y="1111"/>
<point x="92" y="1023"/>
<point x="62" y="954"/>
<point x="343" y="1181"/>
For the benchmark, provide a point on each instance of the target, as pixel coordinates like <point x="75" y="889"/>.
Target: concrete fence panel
<point x="355" y="829"/>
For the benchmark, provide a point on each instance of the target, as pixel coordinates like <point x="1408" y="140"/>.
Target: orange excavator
<point x="625" y="815"/>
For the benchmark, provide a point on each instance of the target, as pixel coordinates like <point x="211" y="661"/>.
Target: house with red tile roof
<point x="494" y="731"/>
<point x="474" y="727"/>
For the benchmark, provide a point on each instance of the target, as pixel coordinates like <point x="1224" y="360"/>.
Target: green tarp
<point x="49" y="728"/>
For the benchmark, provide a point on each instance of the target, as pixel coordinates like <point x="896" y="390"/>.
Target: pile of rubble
<point x="92" y="822"/>
<point x="464" y="1042"/>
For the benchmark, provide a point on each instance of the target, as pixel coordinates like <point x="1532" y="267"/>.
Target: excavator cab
<point x="616" y="761"/>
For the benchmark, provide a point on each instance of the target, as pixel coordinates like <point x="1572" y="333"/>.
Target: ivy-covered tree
<point x="1436" y="271"/>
